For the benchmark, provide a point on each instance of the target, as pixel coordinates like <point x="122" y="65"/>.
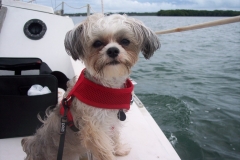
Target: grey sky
<point x="144" y="5"/>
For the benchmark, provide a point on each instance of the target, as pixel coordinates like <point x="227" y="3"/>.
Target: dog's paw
<point x="122" y="150"/>
<point x="24" y="143"/>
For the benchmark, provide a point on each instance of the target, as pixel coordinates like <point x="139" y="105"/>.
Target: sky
<point x="142" y="5"/>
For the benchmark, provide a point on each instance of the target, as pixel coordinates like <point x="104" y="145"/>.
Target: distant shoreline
<point x="178" y="12"/>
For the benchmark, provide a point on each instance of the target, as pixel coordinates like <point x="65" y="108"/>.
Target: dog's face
<point x="109" y="45"/>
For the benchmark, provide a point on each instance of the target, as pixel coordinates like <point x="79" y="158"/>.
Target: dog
<point x="109" y="46"/>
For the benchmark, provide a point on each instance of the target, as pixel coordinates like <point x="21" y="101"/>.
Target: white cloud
<point x="215" y="4"/>
<point x="134" y="6"/>
<point x="118" y="6"/>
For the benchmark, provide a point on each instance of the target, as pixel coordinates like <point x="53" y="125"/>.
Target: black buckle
<point x="65" y="102"/>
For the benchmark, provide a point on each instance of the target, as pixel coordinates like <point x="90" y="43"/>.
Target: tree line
<point x="109" y="13"/>
<point x="178" y="12"/>
<point x="183" y="12"/>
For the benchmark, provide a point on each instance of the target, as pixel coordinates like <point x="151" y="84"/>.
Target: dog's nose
<point x="113" y="52"/>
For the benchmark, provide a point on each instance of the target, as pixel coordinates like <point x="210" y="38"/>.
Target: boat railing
<point x="202" y="25"/>
<point x="61" y="11"/>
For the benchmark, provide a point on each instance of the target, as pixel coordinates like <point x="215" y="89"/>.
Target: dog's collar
<point x="97" y="96"/>
<point x="102" y="97"/>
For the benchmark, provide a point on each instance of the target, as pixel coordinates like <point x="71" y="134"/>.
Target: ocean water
<point x="191" y="87"/>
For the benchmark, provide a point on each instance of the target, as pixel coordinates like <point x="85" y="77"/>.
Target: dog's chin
<point x="115" y="69"/>
<point x="114" y="62"/>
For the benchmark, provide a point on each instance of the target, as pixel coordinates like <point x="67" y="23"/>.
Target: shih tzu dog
<point x="108" y="46"/>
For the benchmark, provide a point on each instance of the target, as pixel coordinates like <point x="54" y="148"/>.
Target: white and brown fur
<point x="99" y="129"/>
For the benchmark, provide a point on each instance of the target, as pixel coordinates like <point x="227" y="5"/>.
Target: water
<point x="191" y="87"/>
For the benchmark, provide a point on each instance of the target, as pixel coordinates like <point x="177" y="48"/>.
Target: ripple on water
<point x="167" y="110"/>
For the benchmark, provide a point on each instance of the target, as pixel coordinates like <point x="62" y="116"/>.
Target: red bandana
<point x="102" y="97"/>
<point x="99" y="96"/>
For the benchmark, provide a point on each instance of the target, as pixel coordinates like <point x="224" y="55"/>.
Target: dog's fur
<point x="99" y="128"/>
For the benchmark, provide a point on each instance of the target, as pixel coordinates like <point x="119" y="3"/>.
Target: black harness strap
<point x="62" y="130"/>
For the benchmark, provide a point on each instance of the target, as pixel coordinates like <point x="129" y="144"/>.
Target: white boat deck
<point x="140" y="131"/>
<point x="145" y="137"/>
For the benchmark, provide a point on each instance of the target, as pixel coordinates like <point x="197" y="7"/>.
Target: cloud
<point x="134" y="6"/>
<point x="215" y="4"/>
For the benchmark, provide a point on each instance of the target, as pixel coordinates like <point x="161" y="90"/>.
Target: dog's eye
<point x="97" y="44"/>
<point x="125" y="42"/>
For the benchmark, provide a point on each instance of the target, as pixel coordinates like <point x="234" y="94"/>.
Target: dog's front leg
<point x="95" y="139"/>
<point x="120" y="149"/>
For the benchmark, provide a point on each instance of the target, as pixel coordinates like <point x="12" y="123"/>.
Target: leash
<point x="63" y="129"/>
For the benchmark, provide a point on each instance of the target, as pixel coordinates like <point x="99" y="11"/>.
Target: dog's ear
<point x="149" y="40"/>
<point x="74" y="42"/>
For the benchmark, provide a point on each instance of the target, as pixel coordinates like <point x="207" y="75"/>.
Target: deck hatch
<point x="35" y="29"/>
